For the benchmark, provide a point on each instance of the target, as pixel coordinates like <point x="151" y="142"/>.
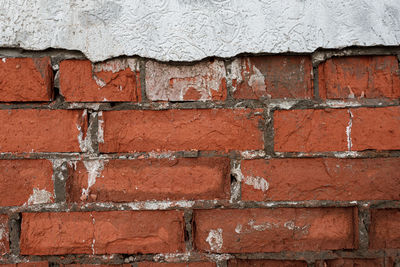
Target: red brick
<point x="210" y="129"/>
<point x="4" y="234"/>
<point x="97" y="265"/>
<point x="110" y="232"/>
<point x="311" y="130"/>
<point x="272" y="76"/>
<point x="384" y="231"/>
<point x="363" y="76"/>
<point x="115" y="80"/>
<point x="160" y="179"/>
<point x="203" y="81"/>
<point x="275" y="230"/>
<point x="266" y="263"/>
<point x="321" y="179"/>
<point x="26" y="182"/>
<point x="27" y="264"/>
<point x="26" y="79"/>
<point x="376" y="128"/>
<point x="181" y="264"/>
<point x="352" y="263"/>
<point x="33" y="130"/>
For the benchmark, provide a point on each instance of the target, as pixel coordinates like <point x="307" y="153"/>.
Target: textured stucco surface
<point x="186" y="30"/>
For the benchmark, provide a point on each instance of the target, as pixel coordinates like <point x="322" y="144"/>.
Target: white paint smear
<point x="257" y="182"/>
<point x="94" y="169"/>
<point x="39" y="197"/>
<point x="215" y="239"/>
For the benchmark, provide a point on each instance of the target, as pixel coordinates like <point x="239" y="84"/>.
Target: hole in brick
<point x="233" y="179"/>
<point x="57" y="95"/>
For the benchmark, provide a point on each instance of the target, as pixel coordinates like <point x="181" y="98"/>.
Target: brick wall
<point x="275" y="160"/>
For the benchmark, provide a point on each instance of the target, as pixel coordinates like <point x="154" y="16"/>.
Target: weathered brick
<point x="210" y="129"/>
<point x="353" y="129"/>
<point x="176" y="264"/>
<point x="203" y="81"/>
<point x="375" y="128"/>
<point x="4" y="234"/>
<point x="311" y="130"/>
<point x="33" y="130"/>
<point x="361" y="76"/>
<point x="272" y="76"/>
<point x="146" y="179"/>
<point x="351" y="263"/>
<point x="110" y="232"/>
<point x="321" y="179"/>
<point x="266" y="263"/>
<point x="274" y="230"/>
<point x="27" y="264"/>
<point x="384" y="231"/>
<point x="26" y="182"/>
<point x="114" y="80"/>
<point x="97" y="265"/>
<point x="26" y="79"/>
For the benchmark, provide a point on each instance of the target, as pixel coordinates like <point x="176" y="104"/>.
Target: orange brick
<point x="321" y="179"/>
<point x="26" y="182"/>
<point x="109" y="232"/>
<point x="33" y="130"/>
<point x="115" y="80"/>
<point x="26" y="79"/>
<point x="275" y="230"/>
<point x="210" y="129"/>
<point x="147" y="179"/>
<point x="361" y="76"/>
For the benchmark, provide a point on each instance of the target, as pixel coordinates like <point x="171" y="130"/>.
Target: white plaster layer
<point x="172" y="83"/>
<point x="184" y="30"/>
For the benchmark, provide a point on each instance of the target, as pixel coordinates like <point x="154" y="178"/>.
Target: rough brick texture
<point x="102" y="232"/>
<point x="116" y="80"/>
<point x="273" y="230"/>
<point x="202" y="81"/>
<point x="25" y="79"/>
<point x="255" y="160"/>
<point x="147" y="179"/>
<point x="191" y="264"/>
<point x="304" y="130"/>
<point x="375" y="128"/>
<point x="368" y="76"/>
<point x="332" y="179"/>
<point x="215" y="129"/>
<point x="353" y="129"/>
<point x="385" y="229"/>
<point x="28" y="264"/>
<point x="266" y="263"/>
<point x="352" y="263"/>
<point x="32" y="130"/>
<point x="272" y="77"/>
<point x="26" y="182"/>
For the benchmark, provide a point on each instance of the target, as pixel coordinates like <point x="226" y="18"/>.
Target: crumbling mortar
<point x="188" y="218"/>
<point x="364" y="220"/>
<point x="133" y="259"/>
<point x="321" y="55"/>
<point x="142" y="71"/>
<point x="273" y="104"/>
<point x="236" y="183"/>
<point x="14" y="225"/>
<point x="269" y="133"/>
<point x="229" y="80"/>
